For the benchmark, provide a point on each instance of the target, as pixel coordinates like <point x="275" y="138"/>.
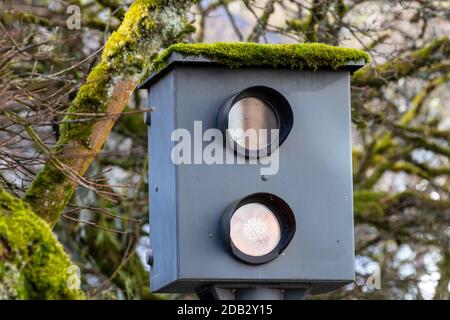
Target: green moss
<point x="298" y="25"/>
<point x="403" y="65"/>
<point x="47" y="182"/>
<point x="147" y="25"/>
<point x="426" y="51"/>
<point x="91" y="98"/>
<point x="342" y="8"/>
<point x="368" y="204"/>
<point x="33" y="264"/>
<point x="120" y="56"/>
<point x="135" y="26"/>
<point x="11" y="16"/>
<point x="294" y="56"/>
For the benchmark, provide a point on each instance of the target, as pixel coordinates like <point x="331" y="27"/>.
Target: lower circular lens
<point x="255" y="229"/>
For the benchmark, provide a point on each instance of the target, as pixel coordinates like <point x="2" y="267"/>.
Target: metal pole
<point x="258" y="293"/>
<point x="252" y="293"/>
<point x="296" y="294"/>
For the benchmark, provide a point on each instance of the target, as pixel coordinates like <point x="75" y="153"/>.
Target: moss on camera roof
<point x="241" y="54"/>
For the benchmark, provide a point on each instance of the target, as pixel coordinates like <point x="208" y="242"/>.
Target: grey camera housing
<point x="314" y="178"/>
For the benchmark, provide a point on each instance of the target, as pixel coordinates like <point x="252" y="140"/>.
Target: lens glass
<point x="249" y="123"/>
<point x="254" y="229"/>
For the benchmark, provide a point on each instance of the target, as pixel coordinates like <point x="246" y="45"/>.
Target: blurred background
<point x="401" y="131"/>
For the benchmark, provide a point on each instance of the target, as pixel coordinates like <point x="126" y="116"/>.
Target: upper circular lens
<point x="254" y="229"/>
<point x="249" y="123"/>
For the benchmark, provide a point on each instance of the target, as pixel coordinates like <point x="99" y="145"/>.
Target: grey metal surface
<point x="314" y="178"/>
<point x="162" y="186"/>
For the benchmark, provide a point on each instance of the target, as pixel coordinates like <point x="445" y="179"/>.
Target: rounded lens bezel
<point x="273" y="100"/>
<point x="282" y="212"/>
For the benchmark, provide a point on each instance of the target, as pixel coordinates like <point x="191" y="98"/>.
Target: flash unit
<point x="258" y="228"/>
<point x="254" y="119"/>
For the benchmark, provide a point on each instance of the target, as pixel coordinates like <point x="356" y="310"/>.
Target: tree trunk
<point x="33" y="264"/>
<point x="147" y="26"/>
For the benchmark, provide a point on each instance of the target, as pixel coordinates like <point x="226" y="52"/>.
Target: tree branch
<point x="402" y="66"/>
<point x="147" y="26"/>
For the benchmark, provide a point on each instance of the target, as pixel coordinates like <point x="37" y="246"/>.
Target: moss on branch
<point x="403" y="65"/>
<point x="45" y="193"/>
<point x="91" y="98"/>
<point x="367" y="204"/>
<point x="92" y="22"/>
<point x="294" y="56"/>
<point x="9" y="16"/>
<point x="127" y="54"/>
<point x="372" y="206"/>
<point x="147" y="26"/>
<point x="33" y="264"/>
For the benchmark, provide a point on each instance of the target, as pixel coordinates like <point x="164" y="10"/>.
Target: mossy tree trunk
<point x="33" y="264"/>
<point x="147" y="26"/>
